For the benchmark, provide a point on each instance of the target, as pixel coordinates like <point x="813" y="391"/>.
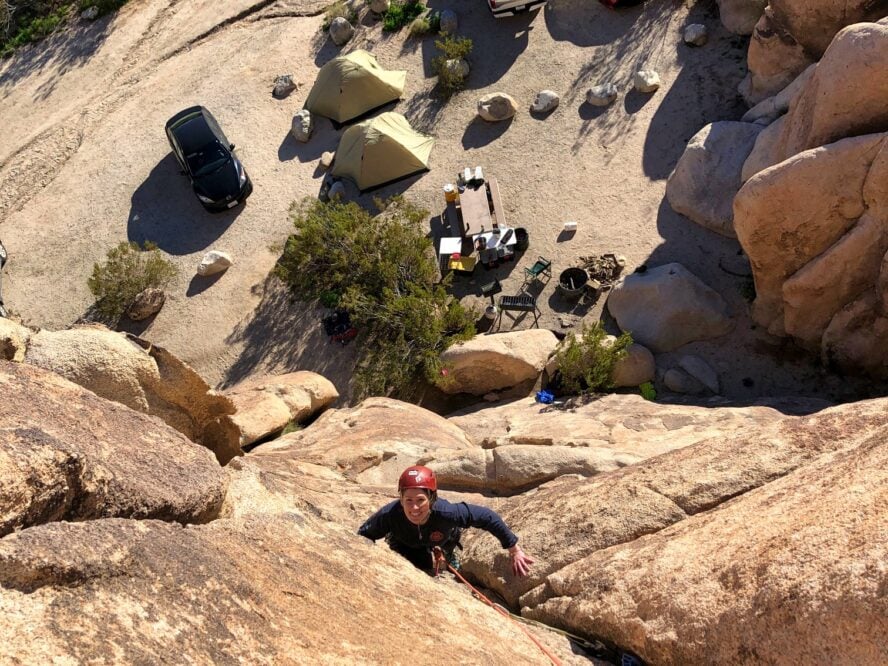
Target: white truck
<point x="501" y="8"/>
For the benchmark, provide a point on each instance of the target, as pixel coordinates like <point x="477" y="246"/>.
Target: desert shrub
<point x="339" y="9"/>
<point x="26" y="21"/>
<point x="451" y="47"/>
<point x="128" y="270"/>
<point x="420" y="26"/>
<point x="386" y="271"/>
<point x="400" y="14"/>
<point x="586" y="362"/>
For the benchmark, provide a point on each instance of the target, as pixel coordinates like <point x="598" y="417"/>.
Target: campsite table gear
<point x="475" y="211"/>
<point x="463" y="264"/>
<point x="447" y="247"/>
<point x="572" y="283"/>
<point x="522" y="239"/>
<point x="450" y="193"/>
<point x="493" y="240"/>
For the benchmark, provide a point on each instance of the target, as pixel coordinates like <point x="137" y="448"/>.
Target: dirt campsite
<point x="84" y="165"/>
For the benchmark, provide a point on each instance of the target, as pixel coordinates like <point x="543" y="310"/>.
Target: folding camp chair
<point x="542" y="266"/>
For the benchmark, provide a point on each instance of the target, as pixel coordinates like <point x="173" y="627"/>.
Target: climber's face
<point x="416" y="505"/>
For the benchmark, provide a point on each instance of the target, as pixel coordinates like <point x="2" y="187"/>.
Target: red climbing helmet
<point x="417" y="477"/>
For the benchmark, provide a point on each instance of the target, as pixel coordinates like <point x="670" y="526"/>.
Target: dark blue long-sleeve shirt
<point x="442" y="527"/>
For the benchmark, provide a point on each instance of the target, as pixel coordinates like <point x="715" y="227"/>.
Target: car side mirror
<point x="231" y="146"/>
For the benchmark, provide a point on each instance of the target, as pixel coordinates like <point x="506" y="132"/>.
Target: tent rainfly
<point x="381" y="150"/>
<point x="351" y="85"/>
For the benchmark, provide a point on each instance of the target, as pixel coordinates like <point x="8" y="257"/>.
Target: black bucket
<point x="572" y="283"/>
<point x="522" y="239"/>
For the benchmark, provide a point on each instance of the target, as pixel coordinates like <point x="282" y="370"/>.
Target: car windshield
<point x="207" y="160"/>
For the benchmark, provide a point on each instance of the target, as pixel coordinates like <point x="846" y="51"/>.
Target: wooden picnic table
<point x="475" y="210"/>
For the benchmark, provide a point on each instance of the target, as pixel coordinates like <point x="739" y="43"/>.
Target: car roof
<point x="191" y="129"/>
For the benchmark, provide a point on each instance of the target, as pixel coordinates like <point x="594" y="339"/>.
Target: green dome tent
<point x="381" y="150"/>
<point x="351" y="85"/>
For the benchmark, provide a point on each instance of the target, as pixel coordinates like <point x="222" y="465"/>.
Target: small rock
<point x="566" y="322"/>
<point x="327" y="159"/>
<point x="493" y="396"/>
<point x="603" y="94"/>
<point x="147" y="302"/>
<point x="449" y="22"/>
<point x="695" y="34"/>
<point x="90" y="13"/>
<point x="214" y="262"/>
<point x="283" y="86"/>
<point x="457" y="67"/>
<point x="636" y="368"/>
<point x="679" y="381"/>
<point x="497" y="106"/>
<point x="646" y="80"/>
<point x="700" y="370"/>
<point x="302" y="126"/>
<point x="546" y="100"/>
<point x="341" y="31"/>
<point x="379" y="6"/>
<point x="336" y="191"/>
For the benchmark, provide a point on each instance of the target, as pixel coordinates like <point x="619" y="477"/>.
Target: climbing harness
<point x="441" y="563"/>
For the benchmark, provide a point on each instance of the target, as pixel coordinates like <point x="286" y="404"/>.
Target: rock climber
<point x="419" y="521"/>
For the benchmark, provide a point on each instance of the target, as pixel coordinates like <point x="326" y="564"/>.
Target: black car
<point x="207" y="158"/>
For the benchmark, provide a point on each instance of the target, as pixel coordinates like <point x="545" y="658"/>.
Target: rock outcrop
<point x="667" y="307"/>
<point x="791" y="35"/>
<point x="265" y="405"/>
<point x="66" y="454"/>
<point x="492" y="362"/>
<point x="707" y="177"/>
<point x="740" y="16"/>
<point x="142" y="376"/>
<point x="371" y="443"/>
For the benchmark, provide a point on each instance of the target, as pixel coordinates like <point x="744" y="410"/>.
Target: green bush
<point x="386" y="271"/>
<point x="27" y="21"/>
<point x="127" y="271"/>
<point x="420" y="27"/>
<point x="587" y="362"/>
<point x="400" y="14"/>
<point x="451" y="47"/>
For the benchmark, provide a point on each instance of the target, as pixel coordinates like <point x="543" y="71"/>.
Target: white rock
<point x="696" y="34"/>
<point x="646" y="80"/>
<point x="603" y="94"/>
<point x="303" y="125"/>
<point x="341" y="31"/>
<point x="214" y="261"/>
<point x="546" y="100"/>
<point x="326" y="159"/>
<point x="449" y="21"/>
<point x="680" y="381"/>
<point x="497" y="106"/>
<point x="700" y="370"/>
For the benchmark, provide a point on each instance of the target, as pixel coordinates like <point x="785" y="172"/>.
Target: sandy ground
<point x="84" y="164"/>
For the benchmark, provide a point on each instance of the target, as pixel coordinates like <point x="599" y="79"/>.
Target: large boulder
<point x="371" y="443"/>
<point x="791" y="35"/>
<point x="844" y="95"/>
<point x="707" y="177"/>
<point x="491" y="362"/>
<point x="340" y="30"/>
<point x="67" y="454"/>
<point x="667" y="307"/>
<point x="740" y="16"/>
<point x="769" y="109"/>
<point x="506" y="470"/>
<point x="635" y="368"/>
<point x="280" y="588"/>
<point x="142" y="376"/>
<point x="621" y="426"/>
<point x="497" y="106"/>
<point x="814" y="228"/>
<point x="765" y="574"/>
<point x="589" y="517"/>
<point x="265" y="405"/>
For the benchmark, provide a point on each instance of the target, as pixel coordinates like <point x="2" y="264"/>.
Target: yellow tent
<point x="381" y="150"/>
<point x="351" y="85"/>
